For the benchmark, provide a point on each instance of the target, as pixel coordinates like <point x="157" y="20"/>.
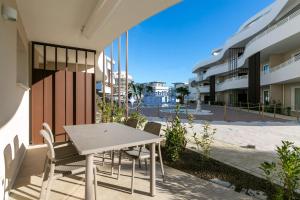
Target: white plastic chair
<point x="142" y="153"/>
<point x="56" y="168"/>
<point x="62" y="149"/>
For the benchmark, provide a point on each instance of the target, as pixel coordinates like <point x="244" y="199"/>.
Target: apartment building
<point x="109" y="78"/>
<point x="122" y="85"/>
<point x="156" y="93"/>
<point x="260" y="63"/>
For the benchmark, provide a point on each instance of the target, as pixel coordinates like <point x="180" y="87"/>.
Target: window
<point x="297" y="99"/>
<point x="266" y="68"/>
<point x="266" y="96"/>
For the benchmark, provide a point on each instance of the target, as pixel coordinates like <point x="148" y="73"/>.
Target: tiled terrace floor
<point x="178" y="186"/>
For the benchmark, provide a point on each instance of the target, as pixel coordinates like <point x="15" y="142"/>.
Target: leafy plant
<point x="105" y="110"/>
<point x="118" y="114"/>
<point x="136" y="90"/>
<point x="268" y="169"/>
<point x="175" y="138"/>
<point x="288" y="111"/>
<point x="111" y="113"/>
<point x="140" y="118"/>
<point x="287" y="169"/>
<point x="204" y="139"/>
<point x="149" y="89"/>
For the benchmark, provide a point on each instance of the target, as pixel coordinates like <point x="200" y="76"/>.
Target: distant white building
<point x="108" y="79"/>
<point x="107" y="75"/>
<point x="159" y="93"/>
<point x="122" y="85"/>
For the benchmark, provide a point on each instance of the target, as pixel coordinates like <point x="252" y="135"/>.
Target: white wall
<point x="240" y="82"/>
<point x="275" y="9"/>
<point x="288" y="72"/>
<point x="14" y="100"/>
<point x="285" y="30"/>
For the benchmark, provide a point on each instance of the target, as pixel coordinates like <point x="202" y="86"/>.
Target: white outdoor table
<point x="97" y="138"/>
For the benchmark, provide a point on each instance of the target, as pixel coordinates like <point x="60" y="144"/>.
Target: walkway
<point x="232" y="138"/>
<point x="232" y="114"/>
<point x="179" y="185"/>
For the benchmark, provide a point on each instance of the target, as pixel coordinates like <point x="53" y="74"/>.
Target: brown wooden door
<point x="59" y="97"/>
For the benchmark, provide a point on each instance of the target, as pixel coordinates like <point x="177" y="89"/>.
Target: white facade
<point x="122" y="84"/>
<point x="159" y="95"/>
<point x="274" y="33"/>
<point x="107" y="75"/>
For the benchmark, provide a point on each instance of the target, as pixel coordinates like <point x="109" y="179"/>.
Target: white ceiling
<point x="61" y="21"/>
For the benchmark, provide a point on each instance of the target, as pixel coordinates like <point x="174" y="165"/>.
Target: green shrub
<point x="105" y="110"/>
<point x="111" y="113"/>
<point x="287" y="170"/>
<point x="118" y="114"/>
<point x="175" y="138"/>
<point x="141" y="119"/>
<point x="204" y="139"/>
<point x="288" y="111"/>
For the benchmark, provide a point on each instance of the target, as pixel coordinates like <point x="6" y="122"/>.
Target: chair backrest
<point x="49" y="131"/>
<point x="47" y="139"/>
<point x="132" y="123"/>
<point x="153" y="127"/>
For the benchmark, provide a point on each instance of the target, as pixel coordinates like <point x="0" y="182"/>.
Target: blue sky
<point x="166" y="46"/>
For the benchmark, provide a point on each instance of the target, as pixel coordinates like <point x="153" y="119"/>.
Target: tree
<point x="183" y="91"/>
<point x="136" y="90"/>
<point x="149" y="89"/>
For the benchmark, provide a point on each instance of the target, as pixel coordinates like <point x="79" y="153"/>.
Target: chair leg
<point x="132" y="177"/>
<point x="161" y="163"/>
<point x="112" y="162"/>
<point x="50" y="181"/>
<point x="95" y="182"/>
<point x="44" y="180"/>
<point x="119" y="165"/>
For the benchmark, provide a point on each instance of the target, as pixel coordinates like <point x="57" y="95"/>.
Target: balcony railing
<point x="282" y="65"/>
<point x="275" y="26"/>
<point x="218" y="69"/>
<point x="204" y="89"/>
<point x="232" y="79"/>
<point x="233" y="83"/>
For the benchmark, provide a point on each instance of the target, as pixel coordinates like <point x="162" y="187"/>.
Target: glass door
<point x="297" y="99"/>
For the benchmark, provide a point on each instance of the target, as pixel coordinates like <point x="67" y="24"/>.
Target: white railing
<point x="282" y="65"/>
<point x="275" y="26"/>
<point x="221" y="68"/>
<point x="233" y="79"/>
<point x="204" y="88"/>
<point x="199" y="77"/>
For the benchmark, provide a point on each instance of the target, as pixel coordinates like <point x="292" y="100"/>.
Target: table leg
<point x="152" y="171"/>
<point x="89" y="177"/>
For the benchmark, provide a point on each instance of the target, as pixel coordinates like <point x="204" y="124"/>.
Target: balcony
<point x="245" y="33"/>
<point x="200" y="77"/>
<point x="204" y="89"/>
<point x="219" y="69"/>
<point x="233" y="83"/>
<point x="273" y="35"/>
<point x="286" y="71"/>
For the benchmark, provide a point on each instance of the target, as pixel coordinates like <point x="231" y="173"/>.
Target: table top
<point x="97" y="138"/>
